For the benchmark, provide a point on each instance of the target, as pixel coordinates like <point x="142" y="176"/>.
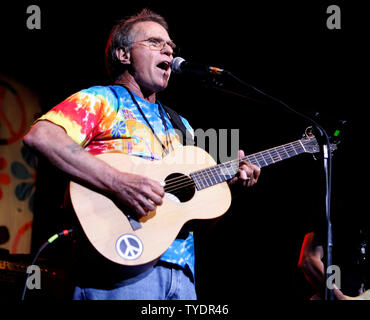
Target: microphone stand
<point x="327" y="163"/>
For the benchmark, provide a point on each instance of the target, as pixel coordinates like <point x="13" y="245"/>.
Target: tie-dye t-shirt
<point x="105" y="119"/>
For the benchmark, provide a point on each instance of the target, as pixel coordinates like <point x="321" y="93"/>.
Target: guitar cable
<point x="49" y="241"/>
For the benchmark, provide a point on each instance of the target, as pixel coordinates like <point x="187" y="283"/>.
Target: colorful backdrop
<point x="19" y="107"/>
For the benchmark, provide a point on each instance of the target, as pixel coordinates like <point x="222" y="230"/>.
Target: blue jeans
<point x="159" y="283"/>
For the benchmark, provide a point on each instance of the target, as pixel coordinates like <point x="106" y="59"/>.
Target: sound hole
<point x="181" y="186"/>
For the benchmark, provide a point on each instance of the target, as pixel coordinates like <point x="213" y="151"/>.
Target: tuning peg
<point x="308" y="132"/>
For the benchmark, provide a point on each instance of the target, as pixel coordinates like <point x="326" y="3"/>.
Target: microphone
<point x="180" y="65"/>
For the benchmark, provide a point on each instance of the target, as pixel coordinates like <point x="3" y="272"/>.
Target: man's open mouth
<point x="164" y="65"/>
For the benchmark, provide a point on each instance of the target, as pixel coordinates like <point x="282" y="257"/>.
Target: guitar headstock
<point x="311" y="144"/>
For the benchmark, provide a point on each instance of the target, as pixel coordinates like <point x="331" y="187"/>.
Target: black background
<point x="283" y="48"/>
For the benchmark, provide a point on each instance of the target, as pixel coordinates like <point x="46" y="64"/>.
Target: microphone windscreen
<point x="176" y="64"/>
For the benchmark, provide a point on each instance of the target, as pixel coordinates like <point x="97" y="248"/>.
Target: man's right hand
<point x="134" y="191"/>
<point x="139" y="193"/>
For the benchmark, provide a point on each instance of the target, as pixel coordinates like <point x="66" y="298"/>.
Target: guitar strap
<point x="178" y="124"/>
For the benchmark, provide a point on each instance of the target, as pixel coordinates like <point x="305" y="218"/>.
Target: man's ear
<point x="123" y="55"/>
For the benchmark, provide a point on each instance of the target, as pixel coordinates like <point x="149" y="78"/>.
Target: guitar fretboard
<point x="208" y="177"/>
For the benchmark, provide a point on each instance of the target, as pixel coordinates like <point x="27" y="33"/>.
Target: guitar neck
<point x="208" y="177"/>
<point x="273" y="155"/>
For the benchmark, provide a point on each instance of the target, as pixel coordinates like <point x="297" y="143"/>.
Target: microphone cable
<point x="49" y="241"/>
<point x="327" y="169"/>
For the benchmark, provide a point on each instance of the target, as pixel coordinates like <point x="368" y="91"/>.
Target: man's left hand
<point x="247" y="174"/>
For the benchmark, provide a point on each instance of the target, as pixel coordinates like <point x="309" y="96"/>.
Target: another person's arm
<point x="310" y="262"/>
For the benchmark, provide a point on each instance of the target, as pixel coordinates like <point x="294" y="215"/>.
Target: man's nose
<point x="167" y="50"/>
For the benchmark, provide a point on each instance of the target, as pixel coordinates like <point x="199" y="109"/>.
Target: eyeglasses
<point x="157" y="44"/>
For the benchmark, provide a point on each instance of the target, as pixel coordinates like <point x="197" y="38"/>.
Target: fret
<point x="283" y="153"/>
<point x="212" y="181"/>
<point x="252" y="159"/>
<point x="234" y="168"/>
<point x="268" y="155"/>
<point x="269" y="160"/>
<point x="280" y="153"/>
<point x="208" y="177"/>
<point x="204" y="179"/>
<point x="227" y="171"/>
<point x="198" y="183"/>
<point x="260" y="159"/>
<point x="274" y="155"/>
<point x="198" y="180"/>
<point x="204" y="176"/>
<point x="216" y="174"/>
<point x="299" y="148"/>
<point x="290" y="150"/>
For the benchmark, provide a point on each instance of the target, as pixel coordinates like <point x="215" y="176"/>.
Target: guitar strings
<point x="201" y="173"/>
<point x="255" y="155"/>
<point x="184" y="181"/>
<point x="179" y="188"/>
<point x="178" y="183"/>
<point x="212" y="170"/>
<point x="275" y="152"/>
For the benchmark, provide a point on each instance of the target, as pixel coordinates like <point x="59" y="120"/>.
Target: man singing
<point x="125" y="117"/>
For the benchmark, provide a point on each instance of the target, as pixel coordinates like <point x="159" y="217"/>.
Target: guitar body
<point x="195" y="189"/>
<point x="135" y="243"/>
<point x="363" y="296"/>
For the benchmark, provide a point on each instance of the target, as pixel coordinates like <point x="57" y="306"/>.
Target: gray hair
<point x="120" y="36"/>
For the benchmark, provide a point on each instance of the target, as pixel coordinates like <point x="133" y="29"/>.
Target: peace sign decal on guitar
<point x="129" y="246"/>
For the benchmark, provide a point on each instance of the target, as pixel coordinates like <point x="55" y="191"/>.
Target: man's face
<point x="150" y="68"/>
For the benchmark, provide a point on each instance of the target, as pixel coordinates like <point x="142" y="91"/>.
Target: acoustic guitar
<point x="363" y="296"/>
<point x="196" y="188"/>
